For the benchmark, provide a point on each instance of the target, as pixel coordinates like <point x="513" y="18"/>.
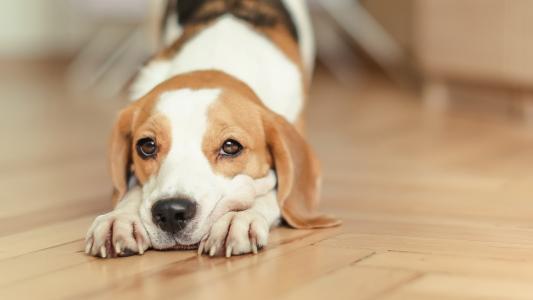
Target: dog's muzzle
<point x="173" y="215"/>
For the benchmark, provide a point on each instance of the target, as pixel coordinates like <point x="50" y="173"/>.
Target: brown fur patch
<point x="298" y="173"/>
<point x="122" y="152"/>
<point x="234" y="116"/>
<point x="158" y="128"/>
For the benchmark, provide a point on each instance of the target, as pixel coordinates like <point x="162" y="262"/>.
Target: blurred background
<point x="428" y="44"/>
<point x="64" y="66"/>
<point x="436" y="48"/>
<point x="420" y="112"/>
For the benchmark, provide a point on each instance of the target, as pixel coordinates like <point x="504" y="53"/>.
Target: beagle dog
<point x="210" y="154"/>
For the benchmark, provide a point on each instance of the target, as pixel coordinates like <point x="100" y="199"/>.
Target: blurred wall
<point x="396" y="16"/>
<point x="44" y="28"/>
<point x="34" y="28"/>
<point x="476" y="40"/>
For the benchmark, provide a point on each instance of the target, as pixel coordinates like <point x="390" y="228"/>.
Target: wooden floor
<point x="435" y="205"/>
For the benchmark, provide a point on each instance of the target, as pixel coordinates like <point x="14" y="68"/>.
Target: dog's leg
<point x="119" y="232"/>
<point x="241" y="232"/>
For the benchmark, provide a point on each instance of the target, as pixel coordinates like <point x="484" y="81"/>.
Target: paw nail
<point x="140" y="247"/>
<point x="254" y="246"/>
<point x="117" y="248"/>
<point x="103" y="252"/>
<point x="201" y="248"/>
<point x="229" y="249"/>
<point x="88" y="247"/>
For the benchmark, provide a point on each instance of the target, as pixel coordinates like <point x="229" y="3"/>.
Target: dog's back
<point x="294" y="15"/>
<point x="267" y="44"/>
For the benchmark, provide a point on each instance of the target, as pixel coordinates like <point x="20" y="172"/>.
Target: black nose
<point x="172" y="215"/>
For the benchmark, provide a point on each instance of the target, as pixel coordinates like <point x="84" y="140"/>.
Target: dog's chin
<point x="186" y="240"/>
<point x="167" y="241"/>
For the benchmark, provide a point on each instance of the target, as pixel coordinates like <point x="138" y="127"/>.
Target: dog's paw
<point x="236" y="233"/>
<point x="116" y="234"/>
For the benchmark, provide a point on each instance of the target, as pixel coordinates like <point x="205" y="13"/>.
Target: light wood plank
<point x="432" y="246"/>
<point x="352" y="282"/>
<point x="438" y="286"/>
<point x="263" y="281"/>
<point x="43" y="238"/>
<point x="476" y="267"/>
<point x="433" y="207"/>
<point x="123" y="275"/>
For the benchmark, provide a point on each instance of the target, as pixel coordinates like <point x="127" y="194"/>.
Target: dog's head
<point x="186" y="139"/>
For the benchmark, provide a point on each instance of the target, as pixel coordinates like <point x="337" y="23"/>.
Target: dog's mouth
<point x="185" y="247"/>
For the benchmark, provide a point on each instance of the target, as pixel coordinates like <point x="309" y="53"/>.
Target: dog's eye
<point x="146" y="148"/>
<point x="230" y="148"/>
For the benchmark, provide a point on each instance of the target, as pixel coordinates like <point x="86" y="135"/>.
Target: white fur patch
<point x="185" y="171"/>
<point x="300" y="16"/>
<point x="186" y="110"/>
<point x="149" y="77"/>
<point x="232" y="46"/>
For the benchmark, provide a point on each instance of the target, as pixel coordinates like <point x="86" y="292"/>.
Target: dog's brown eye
<point x="146" y="148"/>
<point x="231" y="148"/>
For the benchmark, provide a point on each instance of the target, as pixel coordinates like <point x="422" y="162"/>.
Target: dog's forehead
<point x="187" y="112"/>
<point x="186" y="108"/>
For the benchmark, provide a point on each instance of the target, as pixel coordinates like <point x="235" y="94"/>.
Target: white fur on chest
<point x="232" y="46"/>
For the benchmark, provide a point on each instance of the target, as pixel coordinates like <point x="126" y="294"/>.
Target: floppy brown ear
<point x="298" y="173"/>
<point x="119" y="153"/>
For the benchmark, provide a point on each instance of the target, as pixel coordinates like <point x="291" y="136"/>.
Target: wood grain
<point x="434" y="206"/>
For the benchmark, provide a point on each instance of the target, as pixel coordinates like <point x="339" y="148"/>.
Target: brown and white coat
<point x="216" y="123"/>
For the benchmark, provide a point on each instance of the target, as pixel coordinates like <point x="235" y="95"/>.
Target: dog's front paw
<point x="116" y="234"/>
<point x="236" y="233"/>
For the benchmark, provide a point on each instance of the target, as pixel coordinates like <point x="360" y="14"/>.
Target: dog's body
<point x="214" y="112"/>
<point x="265" y="57"/>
